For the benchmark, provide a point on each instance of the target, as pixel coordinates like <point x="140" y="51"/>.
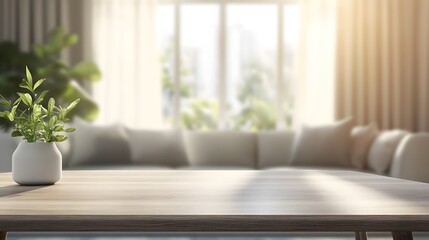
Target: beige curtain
<point x="383" y="63"/>
<point x="29" y="21"/>
<point x="315" y="80"/>
<point x="124" y="46"/>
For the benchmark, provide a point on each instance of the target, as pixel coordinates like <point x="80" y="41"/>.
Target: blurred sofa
<point x="394" y="153"/>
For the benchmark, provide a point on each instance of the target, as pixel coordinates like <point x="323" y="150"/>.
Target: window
<point x="251" y="66"/>
<point x="198" y="68"/>
<point x="227" y="64"/>
<point x="290" y="47"/>
<point x="166" y="41"/>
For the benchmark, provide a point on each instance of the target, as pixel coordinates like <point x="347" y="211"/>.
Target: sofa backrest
<point x="274" y="148"/>
<point x="221" y="149"/>
<point x="176" y="149"/>
<point x="7" y="147"/>
<point x="157" y="148"/>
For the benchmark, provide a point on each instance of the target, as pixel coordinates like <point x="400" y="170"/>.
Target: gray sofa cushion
<point x="221" y="149"/>
<point x="65" y="150"/>
<point x="7" y="147"/>
<point x="325" y="146"/>
<point x="161" y="148"/>
<point x="274" y="148"/>
<point x="99" y="145"/>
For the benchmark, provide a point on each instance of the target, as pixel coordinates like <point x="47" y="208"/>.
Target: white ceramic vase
<point x="36" y="164"/>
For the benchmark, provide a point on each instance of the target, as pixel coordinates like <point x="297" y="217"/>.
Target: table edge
<point x="215" y="223"/>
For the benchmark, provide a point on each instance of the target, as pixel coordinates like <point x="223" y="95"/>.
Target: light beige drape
<point x="383" y="62"/>
<point x="124" y="46"/>
<point x="315" y="69"/>
<point x="29" y="21"/>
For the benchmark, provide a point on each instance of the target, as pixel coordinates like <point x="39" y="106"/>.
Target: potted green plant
<point x="37" y="160"/>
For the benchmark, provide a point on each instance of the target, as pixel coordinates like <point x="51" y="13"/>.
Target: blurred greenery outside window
<point x="253" y="100"/>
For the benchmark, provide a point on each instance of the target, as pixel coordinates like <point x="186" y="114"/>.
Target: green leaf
<point x="37" y="111"/>
<point x="11" y="117"/>
<point x="55" y="41"/>
<point x="26" y="98"/>
<point x="5" y="114"/>
<point x="87" y="108"/>
<point x="51" y="105"/>
<point x="41" y="96"/>
<point x="29" y="77"/>
<point x="38" y="83"/>
<point x="25" y="86"/>
<point x="87" y="71"/>
<point x="70" y="130"/>
<point x="12" y="113"/>
<point x="52" y="121"/>
<point x="16" y="133"/>
<point x="71" y="39"/>
<point x="60" y="138"/>
<point x="72" y="105"/>
<point x="17" y="101"/>
<point x="39" y="50"/>
<point x="59" y="128"/>
<point x="5" y="102"/>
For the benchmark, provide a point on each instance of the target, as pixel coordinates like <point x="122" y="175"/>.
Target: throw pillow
<point x="362" y="137"/>
<point x="324" y="146"/>
<point x="98" y="145"/>
<point x="221" y="149"/>
<point x="410" y="160"/>
<point x="383" y="149"/>
<point x="157" y="148"/>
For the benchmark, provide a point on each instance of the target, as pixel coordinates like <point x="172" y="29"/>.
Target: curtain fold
<point x="124" y="45"/>
<point x="383" y="63"/>
<point x="27" y="22"/>
<point x="315" y="72"/>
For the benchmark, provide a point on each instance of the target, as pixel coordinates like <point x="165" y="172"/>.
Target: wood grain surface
<point x="290" y="200"/>
<point x="402" y="235"/>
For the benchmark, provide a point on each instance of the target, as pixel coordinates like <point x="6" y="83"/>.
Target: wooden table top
<point x="290" y="200"/>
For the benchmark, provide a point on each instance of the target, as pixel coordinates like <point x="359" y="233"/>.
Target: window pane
<point x="251" y="65"/>
<point x="290" y="47"/>
<point x="165" y="35"/>
<point x="199" y="65"/>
